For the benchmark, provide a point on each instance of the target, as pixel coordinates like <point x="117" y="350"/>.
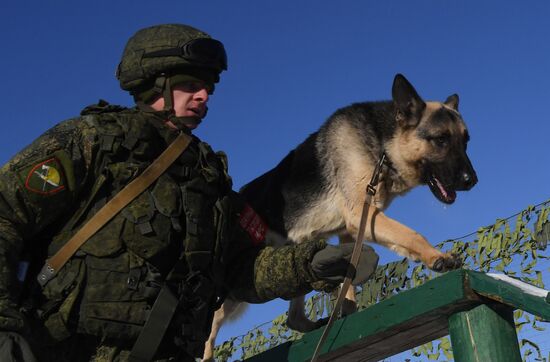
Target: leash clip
<point x="371" y="190"/>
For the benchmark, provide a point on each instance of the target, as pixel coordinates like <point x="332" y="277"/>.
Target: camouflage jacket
<point x="188" y="230"/>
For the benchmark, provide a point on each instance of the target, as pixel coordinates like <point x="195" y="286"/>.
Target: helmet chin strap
<point x="167" y="93"/>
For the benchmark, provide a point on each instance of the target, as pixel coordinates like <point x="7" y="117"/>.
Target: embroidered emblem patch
<point x="253" y="224"/>
<point x="45" y="178"/>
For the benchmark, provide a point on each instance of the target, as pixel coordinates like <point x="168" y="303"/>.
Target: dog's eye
<point x="441" y="141"/>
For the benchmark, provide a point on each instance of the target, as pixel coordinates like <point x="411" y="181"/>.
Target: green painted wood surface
<point x="485" y="333"/>
<point x="432" y="296"/>
<point x="278" y="353"/>
<point x="408" y="319"/>
<point x="508" y="294"/>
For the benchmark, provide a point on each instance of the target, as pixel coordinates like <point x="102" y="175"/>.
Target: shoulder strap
<point x="153" y="331"/>
<point x="117" y="203"/>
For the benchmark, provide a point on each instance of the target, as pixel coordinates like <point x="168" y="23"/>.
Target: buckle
<point x="134" y="276"/>
<point x="371" y="190"/>
<point x="46" y="274"/>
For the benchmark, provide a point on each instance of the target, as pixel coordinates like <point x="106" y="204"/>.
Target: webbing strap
<point x="113" y="207"/>
<point x="357" y="248"/>
<point x="153" y="331"/>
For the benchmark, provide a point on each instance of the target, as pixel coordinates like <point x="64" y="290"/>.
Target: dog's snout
<point x="468" y="180"/>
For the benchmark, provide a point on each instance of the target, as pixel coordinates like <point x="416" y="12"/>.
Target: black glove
<point x="331" y="263"/>
<point x="14" y="348"/>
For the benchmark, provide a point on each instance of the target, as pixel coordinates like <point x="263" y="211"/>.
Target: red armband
<point x="253" y="224"/>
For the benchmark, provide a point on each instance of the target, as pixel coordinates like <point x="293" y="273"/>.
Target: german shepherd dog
<point x="318" y="189"/>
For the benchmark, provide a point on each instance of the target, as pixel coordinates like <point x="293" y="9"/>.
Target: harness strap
<point x="113" y="207"/>
<point x="153" y="331"/>
<point x="358" y="246"/>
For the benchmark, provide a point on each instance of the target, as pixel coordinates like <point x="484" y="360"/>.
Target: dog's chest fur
<point x="346" y="167"/>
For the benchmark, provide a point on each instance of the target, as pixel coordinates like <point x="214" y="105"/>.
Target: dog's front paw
<point x="447" y="262"/>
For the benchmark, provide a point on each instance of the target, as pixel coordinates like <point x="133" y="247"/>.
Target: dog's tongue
<point x="447" y="196"/>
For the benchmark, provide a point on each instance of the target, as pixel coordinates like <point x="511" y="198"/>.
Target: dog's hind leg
<point x="297" y="319"/>
<point x="230" y="309"/>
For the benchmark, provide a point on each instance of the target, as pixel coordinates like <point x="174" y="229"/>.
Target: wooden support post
<point x="485" y="333"/>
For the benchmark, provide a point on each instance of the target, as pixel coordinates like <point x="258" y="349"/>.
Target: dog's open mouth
<point x="443" y="194"/>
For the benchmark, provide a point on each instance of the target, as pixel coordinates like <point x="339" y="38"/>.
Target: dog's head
<point x="436" y="140"/>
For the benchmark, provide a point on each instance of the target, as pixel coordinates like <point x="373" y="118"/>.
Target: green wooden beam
<point x="508" y="294"/>
<point x="408" y="319"/>
<point x="421" y="311"/>
<point x="486" y="333"/>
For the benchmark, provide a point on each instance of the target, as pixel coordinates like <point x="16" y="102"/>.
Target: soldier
<point x="145" y="286"/>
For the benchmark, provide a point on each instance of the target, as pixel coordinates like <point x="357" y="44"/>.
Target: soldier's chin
<point x="184" y="122"/>
<point x="191" y="122"/>
<point x="442" y="193"/>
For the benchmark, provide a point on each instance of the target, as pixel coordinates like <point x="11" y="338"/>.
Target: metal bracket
<point x="45" y="275"/>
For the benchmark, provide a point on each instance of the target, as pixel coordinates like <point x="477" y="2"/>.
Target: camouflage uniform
<point x="186" y="230"/>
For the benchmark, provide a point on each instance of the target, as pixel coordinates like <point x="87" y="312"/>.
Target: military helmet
<point x="166" y="50"/>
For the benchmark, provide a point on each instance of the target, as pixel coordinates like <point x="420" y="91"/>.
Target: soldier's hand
<point x="331" y="263"/>
<point x="14" y="348"/>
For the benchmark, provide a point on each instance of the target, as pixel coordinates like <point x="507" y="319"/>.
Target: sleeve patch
<point x="45" y="178"/>
<point x="253" y="224"/>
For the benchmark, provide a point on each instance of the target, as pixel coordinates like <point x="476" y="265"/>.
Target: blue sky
<point x="293" y="63"/>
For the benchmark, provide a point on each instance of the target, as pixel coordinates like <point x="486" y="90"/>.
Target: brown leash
<point x="113" y="207"/>
<point x="371" y="191"/>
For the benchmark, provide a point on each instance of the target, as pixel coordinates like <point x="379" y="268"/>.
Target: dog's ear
<point x="409" y="106"/>
<point x="452" y="101"/>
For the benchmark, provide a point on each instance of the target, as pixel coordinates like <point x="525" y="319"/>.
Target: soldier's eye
<point x="193" y="86"/>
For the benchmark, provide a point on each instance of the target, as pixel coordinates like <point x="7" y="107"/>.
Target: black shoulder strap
<point x="153" y="331"/>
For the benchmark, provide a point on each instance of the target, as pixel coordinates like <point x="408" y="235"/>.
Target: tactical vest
<point x="172" y="233"/>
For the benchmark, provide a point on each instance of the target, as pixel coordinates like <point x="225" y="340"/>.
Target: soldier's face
<point x="189" y="100"/>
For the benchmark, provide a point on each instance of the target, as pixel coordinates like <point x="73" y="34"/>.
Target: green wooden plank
<point x="508" y="294"/>
<point x="485" y="333"/>
<point x="434" y="295"/>
<point x="408" y="319"/>
<point x="276" y="354"/>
